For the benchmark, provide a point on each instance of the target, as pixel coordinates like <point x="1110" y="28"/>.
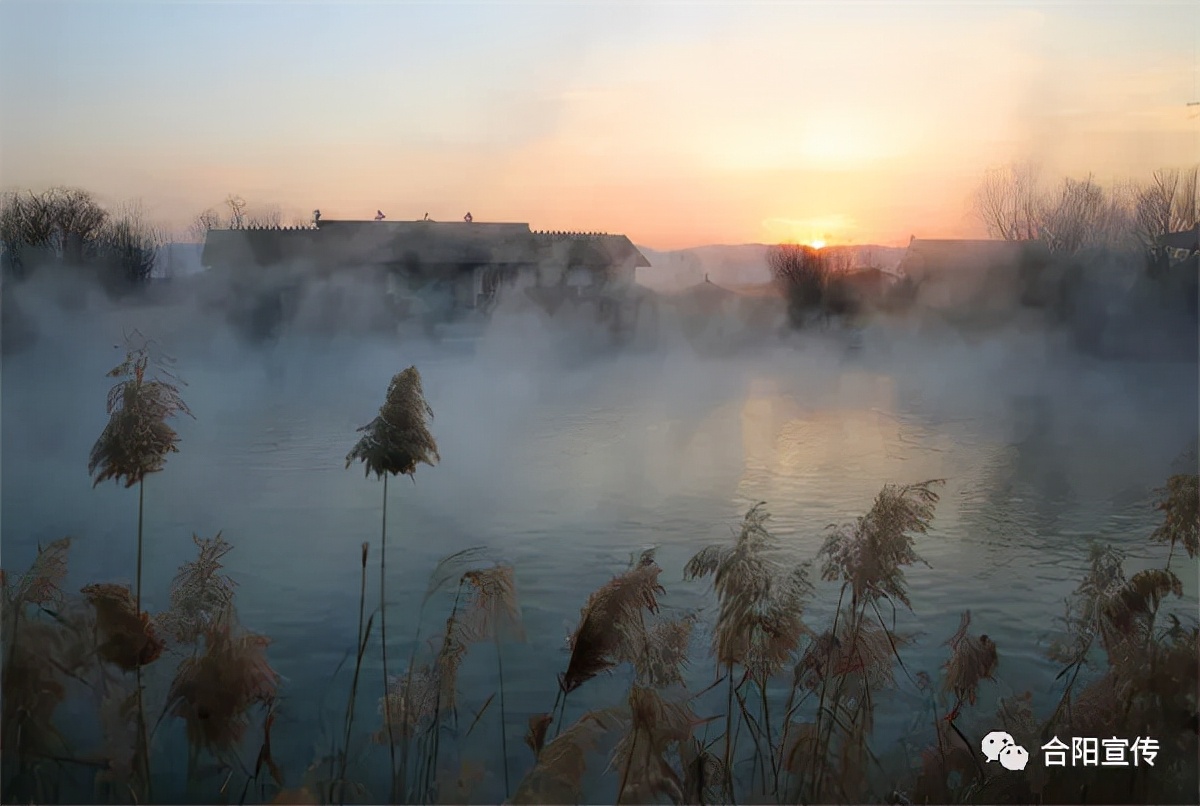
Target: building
<point x="1176" y="252"/>
<point x="1174" y="261"/>
<point x="978" y="277"/>
<point x="444" y="269"/>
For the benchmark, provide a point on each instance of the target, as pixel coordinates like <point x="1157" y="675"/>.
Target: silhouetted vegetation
<point x="810" y="281"/>
<point x="66" y="228"/>
<point x="1082" y="214"/>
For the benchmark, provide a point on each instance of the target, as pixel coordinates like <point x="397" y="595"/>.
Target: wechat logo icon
<point x="1000" y="746"/>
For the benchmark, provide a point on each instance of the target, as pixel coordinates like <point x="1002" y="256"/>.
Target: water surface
<point x="565" y="468"/>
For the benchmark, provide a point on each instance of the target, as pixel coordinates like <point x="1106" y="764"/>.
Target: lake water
<point x="565" y="468"/>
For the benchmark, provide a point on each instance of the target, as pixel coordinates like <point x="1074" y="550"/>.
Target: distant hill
<point x="739" y="265"/>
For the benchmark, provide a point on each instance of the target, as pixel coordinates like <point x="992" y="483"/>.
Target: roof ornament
<point x="316" y="216"/>
<point x="426" y="218"/>
<point x="379" y="216"/>
<point x="468" y="218"/>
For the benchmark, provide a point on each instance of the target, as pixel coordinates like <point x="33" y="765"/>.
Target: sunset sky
<point x="678" y="124"/>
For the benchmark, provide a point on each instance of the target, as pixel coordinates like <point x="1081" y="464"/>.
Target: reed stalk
<point x="359" y="651"/>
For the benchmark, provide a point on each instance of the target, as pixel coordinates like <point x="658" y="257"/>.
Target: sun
<point x="817" y="244"/>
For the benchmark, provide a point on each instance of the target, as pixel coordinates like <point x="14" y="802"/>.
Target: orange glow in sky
<point x="678" y="126"/>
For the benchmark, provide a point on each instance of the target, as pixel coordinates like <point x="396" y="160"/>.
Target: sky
<point x="678" y="124"/>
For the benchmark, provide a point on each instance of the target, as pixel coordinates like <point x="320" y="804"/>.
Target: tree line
<point x="1072" y="218"/>
<point x="68" y="226"/>
<point x="1077" y="214"/>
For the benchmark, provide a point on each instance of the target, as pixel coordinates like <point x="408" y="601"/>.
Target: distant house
<point x="860" y="289"/>
<point x="459" y="265"/>
<point x="1175" y="263"/>
<point x="706" y="298"/>
<point x="716" y="316"/>
<point x="975" y="276"/>
<point x="1176" y="251"/>
<point x="871" y="281"/>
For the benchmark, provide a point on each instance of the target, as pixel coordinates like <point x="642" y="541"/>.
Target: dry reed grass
<point x="137" y="438"/>
<point x="394" y="443"/>
<point x="612" y="627"/>
<point x="972" y="660"/>
<point x="1147" y="662"/>
<point x="411" y="703"/>
<point x="200" y="594"/>
<point x="761" y="604"/>
<point x="214" y="692"/>
<point x="398" y="439"/>
<point x="1180" y="505"/>
<point x="656" y="729"/>
<point x="557" y="777"/>
<point x="871" y="553"/>
<point x="664" y="656"/>
<point x="127" y="638"/>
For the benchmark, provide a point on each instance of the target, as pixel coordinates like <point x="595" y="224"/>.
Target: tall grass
<point x="135" y="443"/>
<point x="394" y="443"/>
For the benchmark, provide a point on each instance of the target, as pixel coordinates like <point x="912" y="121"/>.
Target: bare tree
<point x="128" y="246"/>
<point x="237" y="211"/>
<point x="804" y="274"/>
<point x="207" y="220"/>
<point x="1007" y="202"/>
<point x="61" y="223"/>
<point x="1074" y="217"/>
<point x="1168" y="203"/>
<point x="78" y="218"/>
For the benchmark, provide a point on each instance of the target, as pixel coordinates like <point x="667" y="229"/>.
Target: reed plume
<point x="492" y="609"/>
<point x="135" y="443"/>
<point x="612" y="627"/>
<point x="760" y="617"/>
<point x="488" y="611"/>
<point x="214" y="692"/>
<point x="972" y="660"/>
<point x="864" y="657"/>
<point x="33" y="688"/>
<point x="126" y="637"/>
<point x="665" y="656"/>
<point x="42" y="583"/>
<point x="137" y="439"/>
<point x="703" y="775"/>
<point x="394" y="443"/>
<point x="760" y="621"/>
<point x="398" y="439"/>
<point x="557" y="777"/>
<point x="411" y="702"/>
<point x="1109" y="608"/>
<point x="535" y="737"/>
<point x="655" y="729"/>
<point x="848" y="662"/>
<point x="1180" y="505"/>
<point x="871" y="553"/>
<point x="200" y="594"/>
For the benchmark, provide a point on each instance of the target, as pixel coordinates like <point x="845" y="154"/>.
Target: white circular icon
<point x="995" y="742"/>
<point x="1014" y="757"/>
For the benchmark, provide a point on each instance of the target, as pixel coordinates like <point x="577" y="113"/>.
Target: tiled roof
<point x="388" y="242"/>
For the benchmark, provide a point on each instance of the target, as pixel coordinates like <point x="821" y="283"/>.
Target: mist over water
<point x="564" y="459"/>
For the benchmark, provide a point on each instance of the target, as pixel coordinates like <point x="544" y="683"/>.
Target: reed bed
<point x="788" y="717"/>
